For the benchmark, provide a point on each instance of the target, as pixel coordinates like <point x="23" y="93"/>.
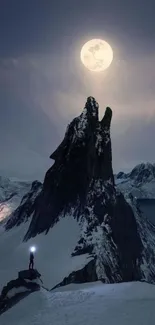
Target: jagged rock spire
<point x="81" y="183"/>
<point x="106" y="120"/>
<point x="92" y="107"/>
<point x="84" y="155"/>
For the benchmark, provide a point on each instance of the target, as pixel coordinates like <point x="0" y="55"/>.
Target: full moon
<point x="96" y="55"/>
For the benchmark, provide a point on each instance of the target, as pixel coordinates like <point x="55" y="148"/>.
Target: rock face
<point x="83" y="166"/>
<point x="81" y="184"/>
<point x="29" y="275"/>
<point x="86" y="274"/>
<point x="27" y="282"/>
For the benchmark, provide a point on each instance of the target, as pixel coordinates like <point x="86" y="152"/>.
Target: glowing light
<point x="32" y="249"/>
<point x="5" y="211"/>
<point x="96" y="55"/>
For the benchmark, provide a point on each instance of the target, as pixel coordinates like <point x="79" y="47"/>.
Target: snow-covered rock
<point x="88" y="303"/>
<point x="26" y="207"/>
<point x="15" y="290"/>
<point x="140" y="181"/>
<point x="11" y="193"/>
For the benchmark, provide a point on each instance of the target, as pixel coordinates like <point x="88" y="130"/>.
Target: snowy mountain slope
<point x="11" y="193"/>
<point x="27" y="281"/>
<point x="26" y="207"/>
<point x="123" y="304"/>
<point x="53" y="257"/>
<point x="146" y="230"/>
<point x="79" y="188"/>
<point x="140" y="181"/>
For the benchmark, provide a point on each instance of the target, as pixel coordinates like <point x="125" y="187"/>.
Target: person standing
<point x="31" y="264"/>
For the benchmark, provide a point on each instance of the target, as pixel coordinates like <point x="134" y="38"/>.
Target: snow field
<point x="93" y="304"/>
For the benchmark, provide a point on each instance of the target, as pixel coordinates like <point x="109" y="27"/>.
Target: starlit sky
<point x="43" y="84"/>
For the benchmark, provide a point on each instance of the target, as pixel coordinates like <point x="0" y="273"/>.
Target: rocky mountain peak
<point x="27" y="282"/>
<point x="143" y="172"/>
<point x="106" y="120"/>
<point x="139" y="175"/>
<point x="79" y="130"/>
<point x="80" y="185"/>
<point x="83" y="159"/>
<point x="92" y="107"/>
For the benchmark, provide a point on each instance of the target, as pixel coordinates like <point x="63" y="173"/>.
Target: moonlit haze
<point x="44" y="85"/>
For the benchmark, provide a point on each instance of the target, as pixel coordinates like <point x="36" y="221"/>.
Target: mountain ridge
<point x="12" y="190"/>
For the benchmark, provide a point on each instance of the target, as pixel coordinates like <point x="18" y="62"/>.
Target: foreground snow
<point x="52" y="258"/>
<point x="95" y="303"/>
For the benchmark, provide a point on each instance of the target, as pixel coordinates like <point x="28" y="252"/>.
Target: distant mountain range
<point x="140" y="182"/>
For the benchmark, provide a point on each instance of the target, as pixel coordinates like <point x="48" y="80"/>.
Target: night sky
<point x="43" y="84"/>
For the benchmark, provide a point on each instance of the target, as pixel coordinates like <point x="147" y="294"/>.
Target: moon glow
<point x="96" y="55"/>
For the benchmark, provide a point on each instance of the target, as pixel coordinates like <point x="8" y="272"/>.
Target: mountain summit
<point x="80" y="186"/>
<point x="140" y="174"/>
<point x="83" y="161"/>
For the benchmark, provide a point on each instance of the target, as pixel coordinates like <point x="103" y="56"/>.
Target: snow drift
<point x="95" y="303"/>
